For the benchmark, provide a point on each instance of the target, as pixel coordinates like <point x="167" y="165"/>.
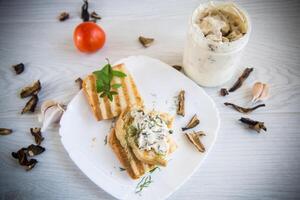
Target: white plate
<point x="83" y="137"/>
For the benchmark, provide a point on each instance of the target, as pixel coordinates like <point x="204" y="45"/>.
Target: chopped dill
<point x="144" y="183"/>
<point x="122" y="169"/>
<point x="154" y="169"/>
<point x="105" y="140"/>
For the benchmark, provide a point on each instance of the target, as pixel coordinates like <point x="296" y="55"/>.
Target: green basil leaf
<point x="97" y="74"/>
<point x="106" y="69"/>
<point x="116" y="85"/>
<point x="105" y="78"/>
<point x="118" y="74"/>
<point x="99" y="86"/>
<point x="106" y="87"/>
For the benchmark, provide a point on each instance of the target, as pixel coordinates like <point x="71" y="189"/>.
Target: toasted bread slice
<point x="134" y="167"/>
<point x="102" y="108"/>
<point x="149" y="157"/>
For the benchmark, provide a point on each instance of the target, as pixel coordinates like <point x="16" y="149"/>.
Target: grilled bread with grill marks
<point x="151" y="157"/>
<point x="102" y="108"/>
<point x="134" y="167"/>
<point x="148" y="157"/>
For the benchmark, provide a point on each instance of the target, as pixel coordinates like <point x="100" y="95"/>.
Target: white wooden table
<point x="242" y="164"/>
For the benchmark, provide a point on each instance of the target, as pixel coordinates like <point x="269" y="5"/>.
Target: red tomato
<point x="88" y="37"/>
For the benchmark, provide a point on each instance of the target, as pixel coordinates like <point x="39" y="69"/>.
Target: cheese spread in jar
<point x="216" y="36"/>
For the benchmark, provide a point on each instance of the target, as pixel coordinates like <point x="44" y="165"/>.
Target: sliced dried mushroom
<point x="95" y="16"/>
<point x="177" y="67"/>
<point x="194" y="138"/>
<point x="31" y="164"/>
<point x="194" y="121"/>
<point x="31" y="104"/>
<point x="224" y="92"/>
<point x="180" y="106"/>
<point x="79" y="82"/>
<point x="5" y="131"/>
<point x="37" y="134"/>
<point x="19" y="68"/>
<point x="146" y="42"/>
<point x="33" y="150"/>
<point x="241" y="79"/>
<point x="63" y="16"/>
<point x="85" y="15"/>
<point x="243" y="110"/>
<point x="21" y="155"/>
<point x="31" y="90"/>
<point x="255" y="125"/>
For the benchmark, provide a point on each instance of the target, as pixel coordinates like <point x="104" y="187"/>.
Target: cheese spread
<point x="152" y="131"/>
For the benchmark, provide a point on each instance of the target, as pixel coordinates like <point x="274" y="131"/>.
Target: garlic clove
<point x="51" y="112"/>
<point x="260" y="91"/>
<point x="52" y="115"/>
<point x="265" y="93"/>
<point x="257" y="90"/>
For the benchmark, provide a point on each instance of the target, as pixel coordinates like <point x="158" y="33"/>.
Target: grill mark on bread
<point x="108" y="106"/>
<point x="120" y="153"/>
<point x="102" y="107"/>
<point x="125" y="91"/>
<point x="116" y="106"/>
<point x="117" y="103"/>
<point x="135" y="91"/>
<point x="91" y="83"/>
<point x="139" y="165"/>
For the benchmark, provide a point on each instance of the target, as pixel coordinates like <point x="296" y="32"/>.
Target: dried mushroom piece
<point x="194" y="138"/>
<point x="146" y="42"/>
<point x="180" y="106"/>
<point x="36" y="133"/>
<point x="85" y="15"/>
<point x="33" y="150"/>
<point x="79" y="82"/>
<point x="63" y="16"/>
<point x="224" y="92"/>
<point x="192" y="123"/>
<point x="95" y="16"/>
<point x="255" y="125"/>
<point x="243" y="110"/>
<point x="31" y="164"/>
<point x="5" y="131"/>
<point x="21" y="155"/>
<point x="19" y="68"/>
<point x="177" y="67"/>
<point x="31" y="104"/>
<point x="31" y="90"/>
<point x="241" y="79"/>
